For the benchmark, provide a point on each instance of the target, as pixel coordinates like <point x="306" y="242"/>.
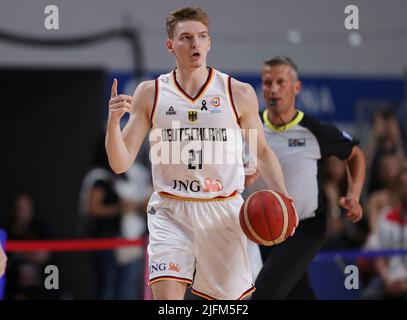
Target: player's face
<point x="279" y="88"/>
<point x="190" y="44"/>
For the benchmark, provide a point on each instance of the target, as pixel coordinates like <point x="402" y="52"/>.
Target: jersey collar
<point x="289" y="125"/>
<point x="201" y="92"/>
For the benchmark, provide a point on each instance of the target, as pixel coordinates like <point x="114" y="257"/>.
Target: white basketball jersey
<point x="196" y="142"/>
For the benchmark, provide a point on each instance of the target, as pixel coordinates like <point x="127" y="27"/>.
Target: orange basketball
<point x="268" y="217"/>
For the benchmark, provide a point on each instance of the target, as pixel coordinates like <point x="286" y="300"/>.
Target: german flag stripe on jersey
<point x="231" y="99"/>
<point x="218" y="198"/>
<point x="157" y="89"/>
<point x="201" y="92"/>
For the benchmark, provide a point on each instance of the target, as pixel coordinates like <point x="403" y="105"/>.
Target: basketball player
<point x="301" y="143"/>
<point x="3" y="260"/>
<point x="195" y="236"/>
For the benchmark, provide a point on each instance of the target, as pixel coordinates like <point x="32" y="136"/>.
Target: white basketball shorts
<point x="200" y="243"/>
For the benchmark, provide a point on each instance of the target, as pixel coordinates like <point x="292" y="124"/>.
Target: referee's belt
<point x="218" y="198"/>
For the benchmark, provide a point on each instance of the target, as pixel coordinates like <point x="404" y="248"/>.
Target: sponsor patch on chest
<point x="296" y="142"/>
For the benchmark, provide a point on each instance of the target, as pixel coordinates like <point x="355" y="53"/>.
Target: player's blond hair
<point x="185" y="14"/>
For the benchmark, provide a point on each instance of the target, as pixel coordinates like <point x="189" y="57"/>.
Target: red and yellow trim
<point x="208" y="297"/>
<point x="172" y="278"/>
<point x="219" y="198"/>
<point x="232" y="103"/>
<point x="202" y="295"/>
<point x="201" y="92"/>
<point x="157" y="91"/>
<point x="247" y="292"/>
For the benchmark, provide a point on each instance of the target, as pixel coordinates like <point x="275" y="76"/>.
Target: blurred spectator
<point x="385" y="138"/>
<point x="341" y="233"/>
<point x="401" y="114"/>
<point x="25" y="270"/>
<point x="391" y="234"/>
<point x="386" y="197"/>
<point x="114" y="206"/>
<point x="135" y="190"/>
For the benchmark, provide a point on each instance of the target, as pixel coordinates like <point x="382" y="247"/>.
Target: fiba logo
<point x="215" y="102"/>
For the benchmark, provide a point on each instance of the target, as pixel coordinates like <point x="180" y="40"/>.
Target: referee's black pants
<point x="284" y="274"/>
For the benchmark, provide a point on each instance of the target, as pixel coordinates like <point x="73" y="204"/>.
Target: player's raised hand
<point x="118" y="104"/>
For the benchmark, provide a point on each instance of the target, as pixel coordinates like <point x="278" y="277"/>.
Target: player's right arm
<point x="122" y="146"/>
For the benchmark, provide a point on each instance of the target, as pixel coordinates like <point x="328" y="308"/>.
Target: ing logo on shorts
<point x="213" y="185"/>
<point x="157" y="267"/>
<point x="163" y="266"/>
<point x="210" y="185"/>
<point x="174" y="267"/>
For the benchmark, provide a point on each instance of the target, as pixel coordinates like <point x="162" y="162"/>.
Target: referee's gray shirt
<point x="301" y="146"/>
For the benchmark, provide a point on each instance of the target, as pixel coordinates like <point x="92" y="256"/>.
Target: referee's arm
<point x="356" y="172"/>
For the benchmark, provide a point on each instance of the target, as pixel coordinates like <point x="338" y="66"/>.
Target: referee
<point x="301" y="144"/>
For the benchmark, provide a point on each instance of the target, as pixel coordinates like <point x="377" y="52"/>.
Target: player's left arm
<point x="356" y="172"/>
<point x="247" y="107"/>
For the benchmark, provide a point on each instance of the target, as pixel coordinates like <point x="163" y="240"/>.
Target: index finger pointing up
<point x="114" y="89"/>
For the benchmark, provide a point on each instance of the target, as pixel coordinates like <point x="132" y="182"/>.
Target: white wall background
<point x="244" y="33"/>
